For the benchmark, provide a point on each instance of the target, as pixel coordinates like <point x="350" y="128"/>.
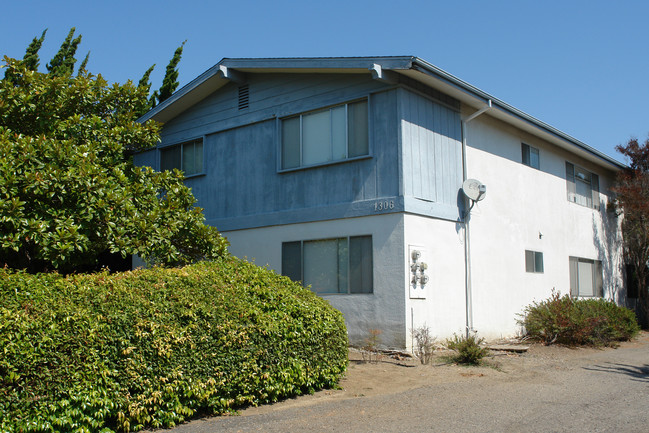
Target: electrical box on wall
<point x="417" y="272"/>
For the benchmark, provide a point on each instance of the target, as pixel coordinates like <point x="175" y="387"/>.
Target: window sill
<point x="324" y="164"/>
<point x="192" y="176"/>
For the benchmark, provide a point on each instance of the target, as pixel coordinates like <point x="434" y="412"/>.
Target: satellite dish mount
<point x="474" y="190"/>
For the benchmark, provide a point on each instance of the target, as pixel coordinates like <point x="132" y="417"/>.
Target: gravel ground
<point x="547" y="389"/>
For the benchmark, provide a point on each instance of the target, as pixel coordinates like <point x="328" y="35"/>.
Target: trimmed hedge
<point x="150" y="348"/>
<point x="574" y="322"/>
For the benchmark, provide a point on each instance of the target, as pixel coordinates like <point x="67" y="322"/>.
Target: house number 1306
<point x="383" y="205"/>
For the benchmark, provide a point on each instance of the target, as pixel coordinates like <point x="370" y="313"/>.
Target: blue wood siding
<point x="271" y="95"/>
<point x="414" y="153"/>
<point x="432" y="149"/>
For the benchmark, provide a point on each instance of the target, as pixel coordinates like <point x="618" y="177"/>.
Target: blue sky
<point x="580" y="66"/>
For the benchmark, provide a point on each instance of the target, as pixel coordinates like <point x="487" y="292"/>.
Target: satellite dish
<point x="474" y="189"/>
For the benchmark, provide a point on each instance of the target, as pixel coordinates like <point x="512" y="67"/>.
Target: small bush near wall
<point x="564" y="320"/>
<point x="153" y="347"/>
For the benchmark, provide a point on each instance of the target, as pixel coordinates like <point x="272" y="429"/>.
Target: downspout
<point x="465" y="220"/>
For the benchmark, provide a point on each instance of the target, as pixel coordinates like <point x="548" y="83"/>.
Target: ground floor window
<point x="338" y="265"/>
<point x="586" y="278"/>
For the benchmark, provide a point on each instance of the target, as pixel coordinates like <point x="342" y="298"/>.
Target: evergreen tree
<point x="84" y="63"/>
<point x="145" y="84"/>
<point x="170" y="82"/>
<point x="63" y="62"/>
<point x="31" y="60"/>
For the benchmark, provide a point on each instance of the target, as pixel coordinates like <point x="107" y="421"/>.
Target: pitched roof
<point x="384" y="68"/>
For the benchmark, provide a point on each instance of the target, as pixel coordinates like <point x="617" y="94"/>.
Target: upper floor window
<point x="340" y="265"/>
<point x="586" y="277"/>
<point x="530" y="156"/>
<point x="533" y="261"/>
<point x="328" y="135"/>
<point x="187" y="157"/>
<point x="583" y="186"/>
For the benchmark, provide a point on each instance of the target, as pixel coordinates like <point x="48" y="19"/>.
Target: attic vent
<point x="244" y="97"/>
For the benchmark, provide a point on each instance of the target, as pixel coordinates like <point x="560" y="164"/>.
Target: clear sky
<point x="580" y="66"/>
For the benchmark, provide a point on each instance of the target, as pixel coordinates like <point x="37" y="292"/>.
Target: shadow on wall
<point x="608" y="240"/>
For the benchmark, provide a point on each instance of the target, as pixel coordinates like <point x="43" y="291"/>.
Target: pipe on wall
<point x="465" y="221"/>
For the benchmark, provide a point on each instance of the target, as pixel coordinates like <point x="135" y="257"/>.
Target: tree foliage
<point x="31" y="59"/>
<point x="68" y="189"/>
<point x="170" y="81"/>
<point x="632" y="189"/>
<point x="64" y="60"/>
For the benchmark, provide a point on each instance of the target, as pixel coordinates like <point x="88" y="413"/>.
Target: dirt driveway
<point x="547" y="389"/>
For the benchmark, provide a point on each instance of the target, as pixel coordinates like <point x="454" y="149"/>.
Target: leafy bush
<point x="107" y="352"/>
<point x="468" y="349"/>
<point x="564" y="320"/>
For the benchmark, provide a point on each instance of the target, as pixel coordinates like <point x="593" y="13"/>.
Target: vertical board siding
<point x="431" y="134"/>
<point x="413" y="140"/>
<point x="241" y="177"/>
<point x="271" y="95"/>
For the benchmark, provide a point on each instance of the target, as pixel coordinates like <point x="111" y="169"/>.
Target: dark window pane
<point x="360" y="263"/>
<point x="292" y="260"/>
<point x="529" y="261"/>
<point x="291" y="143"/>
<point x="357" y="129"/>
<point x="526" y="153"/>
<point x="170" y="158"/>
<point x="538" y="262"/>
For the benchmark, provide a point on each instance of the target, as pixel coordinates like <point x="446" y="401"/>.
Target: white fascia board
<point x="476" y="98"/>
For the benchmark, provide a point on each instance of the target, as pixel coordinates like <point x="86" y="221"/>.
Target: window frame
<point x="526" y="156"/>
<point x="181" y="145"/>
<point x="349" y="272"/>
<point x="597" y="277"/>
<point x="301" y="165"/>
<point x="532" y="262"/>
<point x="573" y="181"/>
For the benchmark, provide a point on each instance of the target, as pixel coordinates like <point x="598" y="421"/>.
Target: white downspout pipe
<point x="465" y="220"/>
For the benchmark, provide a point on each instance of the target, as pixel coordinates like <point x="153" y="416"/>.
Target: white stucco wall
<point x="383" y="309"/>
<point x="527" y="209"/>
<point x="442" y="308"/>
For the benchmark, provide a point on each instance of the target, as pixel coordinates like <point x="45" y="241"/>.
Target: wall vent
<point x="244" y="97"/>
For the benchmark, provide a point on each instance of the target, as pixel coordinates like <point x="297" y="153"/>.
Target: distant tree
<point x="170" y="81"/>
<point x="69" y="193"/>
<point x="31" y="60"/>
<point x="145" y="85"/>
<point x="63" y="61"/>
<point x="632" y="189"/>
<point x="84" y="63"/>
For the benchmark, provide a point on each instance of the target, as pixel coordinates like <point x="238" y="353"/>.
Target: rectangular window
<point x="186" y="157"/>
<point x="530" y="156"/>
<point x="583" y="186"/>
<point x="340" y="265"/>
<point x="586" y="278"/>
<point x="533" y="261"/>
<point x="329" y="135"/>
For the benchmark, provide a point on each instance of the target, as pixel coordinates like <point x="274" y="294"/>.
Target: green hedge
<point x="564" y="320"/>
<point x="153" y="347"/>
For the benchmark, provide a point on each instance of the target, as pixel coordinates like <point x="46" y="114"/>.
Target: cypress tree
<point x="144" y="83"/>
<point x="170" y="82"/>
<point x="63" y="62"/>
<point x="84" y="63"/>
<point x="31" y="60"/>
